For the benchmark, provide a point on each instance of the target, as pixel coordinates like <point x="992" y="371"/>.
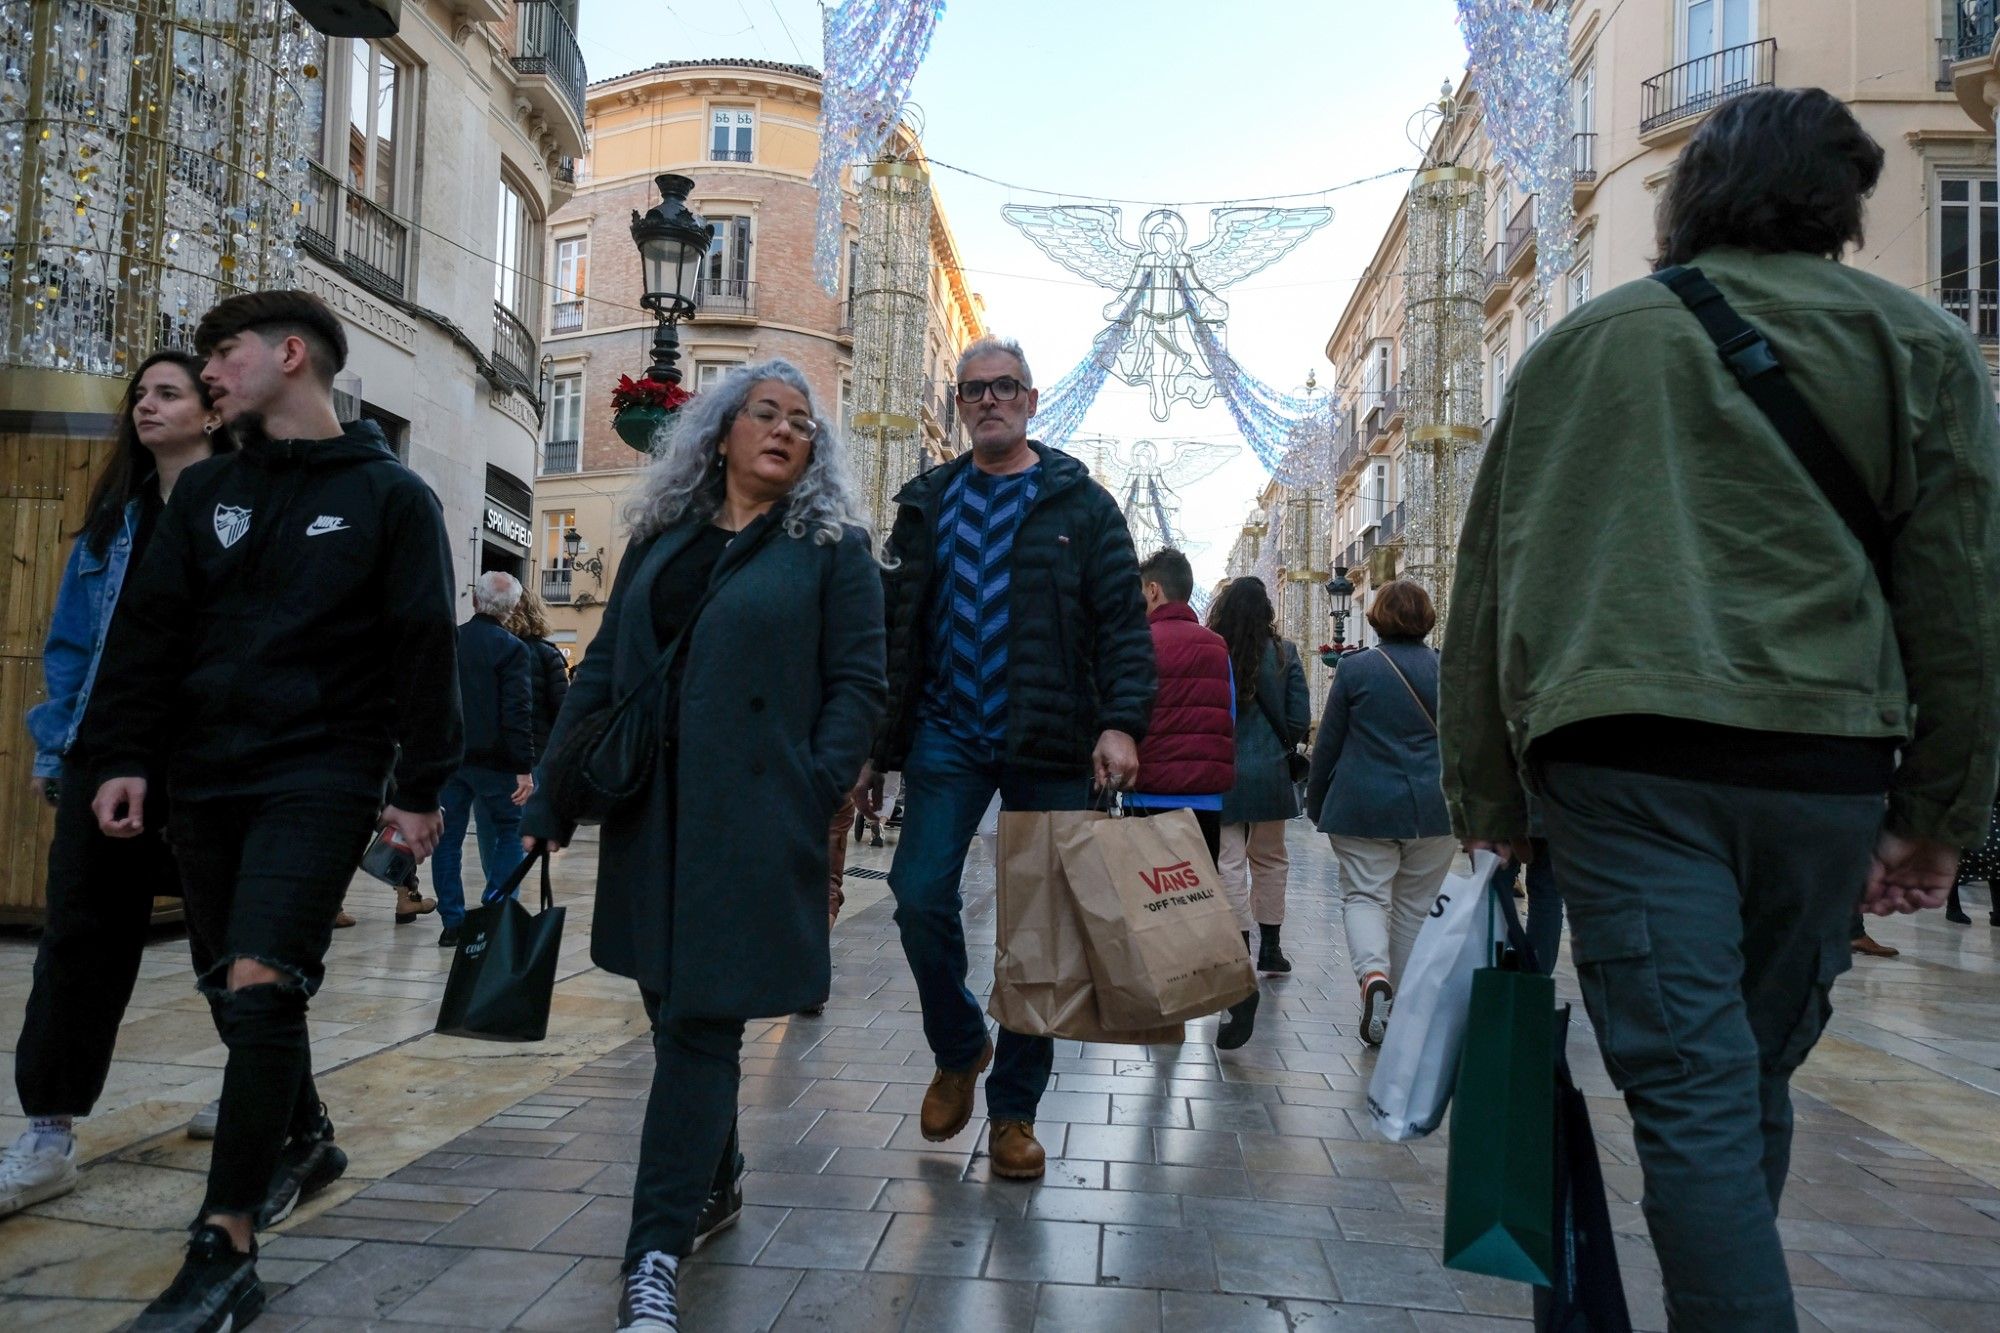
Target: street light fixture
<point x="573" y="548"/>
<point x="1340" y="599"/>
<point x="672" y="242"/>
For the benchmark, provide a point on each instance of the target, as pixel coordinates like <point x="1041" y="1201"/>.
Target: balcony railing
<point x="566" y="317"/>
<point x="1583" y="157"/>
<point x="555" y="586"/>
<point x="513" y="347"/>
<point x="548" y="47"/>
<point x="559" y="456"/>
<point x="846" y="328"/>
<point x="729" y="154"/>
<point x="1980" y="309"/>
<point x="1976" y="27"/>
<point x="1391" y="527"/>
<point x="1521" y="232"/>
<point x="1376" y="424"/>
<point x="1695" y="86"/>
<point x="319" y="217"/>
<point x="727" y="296"/>
<point x="565" y="170"/>
<point x="1496" y="263"/>
<point x="344" y="228"/>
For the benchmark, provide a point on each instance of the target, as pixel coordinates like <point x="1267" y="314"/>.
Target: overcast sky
<point x="1168" y="101"/>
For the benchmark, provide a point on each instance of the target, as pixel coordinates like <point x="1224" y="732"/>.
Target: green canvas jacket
<point x="1641" y="540"/>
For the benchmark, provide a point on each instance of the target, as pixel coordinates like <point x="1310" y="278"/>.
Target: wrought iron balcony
<point x="319" y="217"/>
<point x="514" y="352"/>
<point x="1976" y="27"/>
<point x="1496" y="264"/>
<point x="566" y="317"/>
<point x="727" y="298"/>
<point x="560" y="456"/>
<point x="729" y="154"/>
<point x="1699" y="85"/>
<point x="565" y="171"/>
<point x="846" y="327"/>
<point x="1583" y="157"/>
<point x="1521" y="234"/>
<point x="1376" y="424"/>
<point x="556" y="586"/>
<point x="1980" y="309"/>
<point x="347" y="230"/>
<point x="1391" y="527"/>
<point x="548" y="48"/>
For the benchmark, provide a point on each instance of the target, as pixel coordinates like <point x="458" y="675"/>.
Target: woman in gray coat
<point x="711" y="888"/>
<point x="1273" y="711"/>
<point x="1376" y="791"/>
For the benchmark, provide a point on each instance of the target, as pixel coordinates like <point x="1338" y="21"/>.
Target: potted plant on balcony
<point x="639" y="408"/>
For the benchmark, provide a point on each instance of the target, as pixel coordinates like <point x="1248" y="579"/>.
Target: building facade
<point x="1644" y="74"/>
<point x="747" y="132"/>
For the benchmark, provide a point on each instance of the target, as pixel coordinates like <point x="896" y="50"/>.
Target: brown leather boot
<point x="411" y="904"/>
<point x="948" y="1102"/>
<point x="1011" y="1144"/>
<point x="341" y="920"/>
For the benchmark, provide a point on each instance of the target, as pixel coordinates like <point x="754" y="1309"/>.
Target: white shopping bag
<point x="1418" y="1065"/>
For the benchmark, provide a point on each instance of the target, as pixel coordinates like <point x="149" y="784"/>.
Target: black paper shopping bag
<point x="1587" y="1294"/>
<point x="504" y="972"/>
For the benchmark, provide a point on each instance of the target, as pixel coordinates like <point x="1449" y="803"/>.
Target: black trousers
<point x="687" y="1145"/>
<point x="1210" y="822"/>
<point x="263" y="877"/>
<point x="100" y="904"/>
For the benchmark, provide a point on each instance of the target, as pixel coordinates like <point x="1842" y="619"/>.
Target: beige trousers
<point x="1255" y="866"/>
<point x="1387" y="887"/>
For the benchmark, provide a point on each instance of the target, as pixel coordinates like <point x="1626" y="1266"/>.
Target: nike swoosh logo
<point x="326" y="523"/>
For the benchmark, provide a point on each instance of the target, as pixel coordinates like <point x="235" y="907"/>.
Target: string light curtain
<point x="1065" y="403"/>
<point x="152" y="156"/>
<point x="892" y="281"/>
<point x="873" y="49"/>
<point x="1520" y="68"/>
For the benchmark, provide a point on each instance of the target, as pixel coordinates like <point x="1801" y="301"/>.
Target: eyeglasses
<point x="1004" y="389"/>
<point x="799" y="424"/>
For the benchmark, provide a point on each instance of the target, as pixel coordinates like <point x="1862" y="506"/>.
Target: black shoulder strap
<point x="1749" y="356"/>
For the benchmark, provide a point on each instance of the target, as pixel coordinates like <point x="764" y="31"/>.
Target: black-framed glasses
<point x="1004" y="390"/>
<point x="800" y="425"/>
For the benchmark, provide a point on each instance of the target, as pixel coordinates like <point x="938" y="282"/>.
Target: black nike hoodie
<point x="292" y="626"/>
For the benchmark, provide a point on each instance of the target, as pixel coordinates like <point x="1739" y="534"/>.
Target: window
<point x="565" y="425"/>
<point x="847" y="409"/>
<point x="572" y="271"/>
<point x="1968" y="268"/>
<point x="1538" y="322"/>
<point x="1583" y="98"/>
<point x="728" y="257"/>
<point x="1378" y="496"/>
<point x="1375" y="377"/>
<point x="554" y="556"/>
<point x="379" y="104"/>
<point x="730" y="135"/>
<point x="1579" y="280"/>
<point x="517" y="248"/>
<point x="1498" y="379"/>
<point x="1709" y="26"/>
<point x="708" y="374"/>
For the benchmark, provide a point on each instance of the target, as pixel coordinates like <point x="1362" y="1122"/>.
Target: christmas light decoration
<point x="891" y="289"/>
<point x="873" y="48"/>
<point x="1520" y="69"/>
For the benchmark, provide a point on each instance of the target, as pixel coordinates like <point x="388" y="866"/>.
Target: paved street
<point x="1185" y="1190"/>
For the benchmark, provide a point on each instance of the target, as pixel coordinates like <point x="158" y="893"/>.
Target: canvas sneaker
<point x="36" y="1167"/>
<point x="216" y="1291"/>
<point x="651" y="1301"/>
<point x="722" y="1208"/>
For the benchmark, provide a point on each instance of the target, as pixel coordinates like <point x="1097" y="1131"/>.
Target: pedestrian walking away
<point x="495" y="688"/>
<point x="100" y="890"/>
<point x="750" y="597"/>
<point x="286" y="643"/>
<point x="1726" y="777"/>
<point x="1019" y="662"/>
<point x="1273" y="714"/>
<point x="1374" y="791"/>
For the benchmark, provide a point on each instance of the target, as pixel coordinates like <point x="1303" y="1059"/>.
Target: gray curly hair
<point x="683" y="479"/>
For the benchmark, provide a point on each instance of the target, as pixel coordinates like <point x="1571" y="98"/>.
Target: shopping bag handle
<point x="1516" y="934"/>
<point x="540" y="856"/>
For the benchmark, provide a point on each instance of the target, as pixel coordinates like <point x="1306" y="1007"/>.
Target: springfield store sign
<point x="508" y="524"/>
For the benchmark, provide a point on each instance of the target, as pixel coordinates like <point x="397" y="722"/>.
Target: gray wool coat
<point x="1264" y="789"/>
<point x="711" y="884"/>
<point x="1376" y="769"/>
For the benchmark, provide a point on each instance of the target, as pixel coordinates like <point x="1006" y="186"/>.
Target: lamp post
<point x="573" y="548"/>
<point x="672" y="242"/>
<point x="1340" y="600"/>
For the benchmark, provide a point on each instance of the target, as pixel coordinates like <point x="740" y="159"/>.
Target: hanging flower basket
<point x="1330" y="655"/>
<point x="639" y="408"/>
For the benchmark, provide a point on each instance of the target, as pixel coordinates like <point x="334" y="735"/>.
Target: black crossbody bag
<point x="600" y="764"/>
<point x="1750" y="358"/>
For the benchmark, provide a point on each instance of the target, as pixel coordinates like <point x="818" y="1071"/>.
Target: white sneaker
<point x="31" y="1171"/>
<point x="203" y="1124"/>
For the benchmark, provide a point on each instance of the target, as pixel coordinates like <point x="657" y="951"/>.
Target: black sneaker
<point x="216" y="1291"/>
<point x="307" y="1164"/>
<point x="723" y="1208"/>
<point x="448" y="938"/>
<point x="1240" y="1023"/>
<point x="651" y="1303"/>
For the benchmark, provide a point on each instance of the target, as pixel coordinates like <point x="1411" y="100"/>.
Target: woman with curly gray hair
<point x="749" y="581"/>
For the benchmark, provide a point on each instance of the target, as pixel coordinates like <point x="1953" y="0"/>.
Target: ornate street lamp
<point x="1340" y="600"/>
<point x="672" y="242"/>
<point x="573" y="548"/>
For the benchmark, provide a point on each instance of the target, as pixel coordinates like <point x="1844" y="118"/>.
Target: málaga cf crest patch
<point x="231" y="522"/>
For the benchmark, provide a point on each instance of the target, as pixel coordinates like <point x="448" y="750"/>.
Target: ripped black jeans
<point x="263" y="877"/>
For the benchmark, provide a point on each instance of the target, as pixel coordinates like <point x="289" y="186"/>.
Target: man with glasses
<point x="1019" y="662"/>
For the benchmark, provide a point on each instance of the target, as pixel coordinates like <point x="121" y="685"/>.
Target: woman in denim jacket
<point x="100" y="890"/>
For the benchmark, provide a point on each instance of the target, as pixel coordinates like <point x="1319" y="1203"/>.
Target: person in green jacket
<point x="1661" y="621"/>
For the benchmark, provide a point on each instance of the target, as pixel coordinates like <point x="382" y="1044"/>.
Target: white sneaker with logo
<point x="33" y="1169"/>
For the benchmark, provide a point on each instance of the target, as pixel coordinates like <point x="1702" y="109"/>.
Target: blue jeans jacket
<point x="84" y="603"/>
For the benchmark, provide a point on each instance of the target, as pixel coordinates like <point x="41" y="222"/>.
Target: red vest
<point x="1190" y="745"/>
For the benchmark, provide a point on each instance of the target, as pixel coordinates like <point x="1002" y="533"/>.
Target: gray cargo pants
<point x="1708" y="924"/>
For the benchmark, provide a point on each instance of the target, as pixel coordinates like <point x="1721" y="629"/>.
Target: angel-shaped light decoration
<point x="1143" y="478"/>
<point x="1164" y="287"/>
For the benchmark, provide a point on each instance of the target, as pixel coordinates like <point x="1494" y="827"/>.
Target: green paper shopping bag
<point x="1499" y="1180"/>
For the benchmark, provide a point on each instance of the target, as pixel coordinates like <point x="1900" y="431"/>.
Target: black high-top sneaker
<point x="651" y="1302"/>
<point x="216" y="1291"/>
<point x="308" y="1163"/>
<point x="1269" y="959"/>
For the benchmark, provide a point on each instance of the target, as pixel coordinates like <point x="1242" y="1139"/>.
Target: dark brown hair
<point x="275" y="316"/>
<point x="1244" y="617"/>
<point x="1776" y="170"/>
<point x="131" y="468"/>
<point x="1170" y="569"/>
<point x="1402" y="610"/>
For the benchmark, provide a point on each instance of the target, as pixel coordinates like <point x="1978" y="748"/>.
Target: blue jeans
<point x="947" y="783"/>
<point x="492" y="793"/>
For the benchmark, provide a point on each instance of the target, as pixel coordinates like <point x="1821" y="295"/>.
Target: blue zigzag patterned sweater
<point x="966" y="692"/>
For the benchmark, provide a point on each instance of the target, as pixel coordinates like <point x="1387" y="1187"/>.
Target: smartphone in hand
<point x="389" y="858"/>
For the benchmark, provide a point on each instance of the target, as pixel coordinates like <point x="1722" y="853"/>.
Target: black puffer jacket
<point x="1079" y="657"/>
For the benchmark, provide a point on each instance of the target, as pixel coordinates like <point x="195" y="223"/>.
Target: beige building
<point x="747" y="132"/>
<point x="1644" y="73"/>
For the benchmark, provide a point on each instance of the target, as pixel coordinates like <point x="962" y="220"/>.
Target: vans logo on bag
<point x="1180" y="875"/>
<point x="231" y="522"/>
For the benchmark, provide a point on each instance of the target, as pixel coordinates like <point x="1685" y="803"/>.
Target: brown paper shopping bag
<point x="1041" y="976"/>
<point x="1162" y="942"/>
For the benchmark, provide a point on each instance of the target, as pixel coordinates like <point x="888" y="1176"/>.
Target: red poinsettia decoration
<point x="647" y="392"/>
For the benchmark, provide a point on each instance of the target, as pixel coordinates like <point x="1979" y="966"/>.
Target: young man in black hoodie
<point x="288" y="640"/>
